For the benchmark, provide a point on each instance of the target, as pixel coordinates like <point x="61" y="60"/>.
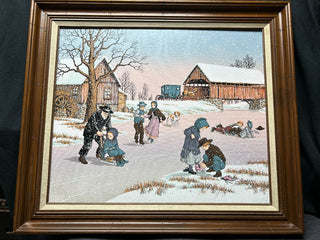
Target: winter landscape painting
<point x="169" y="116"/>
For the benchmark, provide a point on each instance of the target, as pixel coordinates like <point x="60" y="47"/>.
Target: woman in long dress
<point x="155" y="116"/>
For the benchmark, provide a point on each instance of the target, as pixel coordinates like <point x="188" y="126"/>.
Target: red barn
<point x="207" y="81"/>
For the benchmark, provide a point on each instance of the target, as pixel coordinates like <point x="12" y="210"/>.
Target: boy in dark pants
<point x="138" y="123"/>
<point x="213" y="157"/>
<point x="93" y="130"/>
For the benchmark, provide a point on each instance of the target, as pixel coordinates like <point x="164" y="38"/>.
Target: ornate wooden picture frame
<point x="38" y="210"/>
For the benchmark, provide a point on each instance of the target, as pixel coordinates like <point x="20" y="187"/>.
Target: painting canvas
<point x="169" y="116"/>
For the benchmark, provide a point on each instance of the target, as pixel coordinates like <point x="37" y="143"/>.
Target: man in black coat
<point x="93" y="130"/>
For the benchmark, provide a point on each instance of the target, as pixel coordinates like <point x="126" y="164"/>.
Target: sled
<point x="108" y="160"/>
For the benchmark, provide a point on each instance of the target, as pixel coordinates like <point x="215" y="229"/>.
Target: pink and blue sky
<point x="173" y="53"/>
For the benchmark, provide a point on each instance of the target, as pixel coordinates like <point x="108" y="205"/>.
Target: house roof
<point x="120" y="90"/>
<point x="74" y="78"/>
<point x="225" y="74"/>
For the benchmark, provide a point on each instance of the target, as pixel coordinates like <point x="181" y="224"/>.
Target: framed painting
<point x="159" y="117"/>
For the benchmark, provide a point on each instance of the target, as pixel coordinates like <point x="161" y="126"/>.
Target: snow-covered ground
<point x="67" y="131"/>
<point x="180" y="187"/>
<point x="236" y="106"/>
<point x="100" y="182"/>
<point x="184" y="107"/>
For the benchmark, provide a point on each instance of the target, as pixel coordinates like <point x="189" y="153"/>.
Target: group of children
<point x="111" y="147"/>
<point x="212" y="160"/>
<point x="152" y="129"/>
<point x="236" y="129"/>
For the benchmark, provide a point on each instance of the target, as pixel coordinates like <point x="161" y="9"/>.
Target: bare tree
<point x="125" y="81"/>
<point x="132" y="90"/>
<point x="145" y="92"/>
<point x="85" y="46"/>
<point x="246" y="62"/>
<point x="140" y="96"/>
<point x="238" y="63"/>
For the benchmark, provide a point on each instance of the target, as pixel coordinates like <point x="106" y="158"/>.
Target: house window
<point x="107" y="93"/>
<point x="74" y="91"/>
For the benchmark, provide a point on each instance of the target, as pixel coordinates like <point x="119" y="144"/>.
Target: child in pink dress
<point x="155" y="116"/>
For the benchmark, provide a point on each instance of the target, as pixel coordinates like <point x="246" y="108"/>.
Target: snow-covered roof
<point x="120" y="90"/>
<point x="74" y="78"/>
<point x="226" y="74"/>
<point x="71" y="78"/>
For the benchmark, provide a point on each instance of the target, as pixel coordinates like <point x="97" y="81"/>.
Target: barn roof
<point x="225" y="74"/>
<point x="74" y="78"/>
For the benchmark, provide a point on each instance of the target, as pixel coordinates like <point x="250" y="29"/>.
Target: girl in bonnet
<point x="155" y="116"/>
<point x="111" y="148"/>
<point x="190" y="153"/>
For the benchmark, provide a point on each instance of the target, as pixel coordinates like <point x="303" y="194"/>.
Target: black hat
<point x="106" y="109"/>
<point x="260" y="128"/>
<point x="203" y="141"/>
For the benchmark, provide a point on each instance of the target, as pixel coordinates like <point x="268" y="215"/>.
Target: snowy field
<point x="159" y="162"/>
<point x="236" y="106"/>
<point x="251" y="185"/>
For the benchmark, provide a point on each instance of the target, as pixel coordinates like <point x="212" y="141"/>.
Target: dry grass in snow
<point x="249" y="171"/>
<point x="63" y="141"/>
<point x="255" y="185"/>
<point x="65" y="136"/>
<point x="213" y="188"/>
<point x="76" y="125"/>
<point x="184" y="179"/>
<point x="212" y="178"/>
<point x="259" y="162"/>
<point x="149" y="186"/>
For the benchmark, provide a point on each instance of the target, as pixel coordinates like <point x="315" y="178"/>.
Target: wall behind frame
<point x="14" y="23"/>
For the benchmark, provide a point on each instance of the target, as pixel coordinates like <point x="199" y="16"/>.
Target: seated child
<point x="247" y="132"/>
<point x="111" y="148"/>
<point x="213" y="157"/>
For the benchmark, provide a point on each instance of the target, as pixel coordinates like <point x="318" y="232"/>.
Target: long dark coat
<point x="190" y="144"/>
<point x="96" y="123"/>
